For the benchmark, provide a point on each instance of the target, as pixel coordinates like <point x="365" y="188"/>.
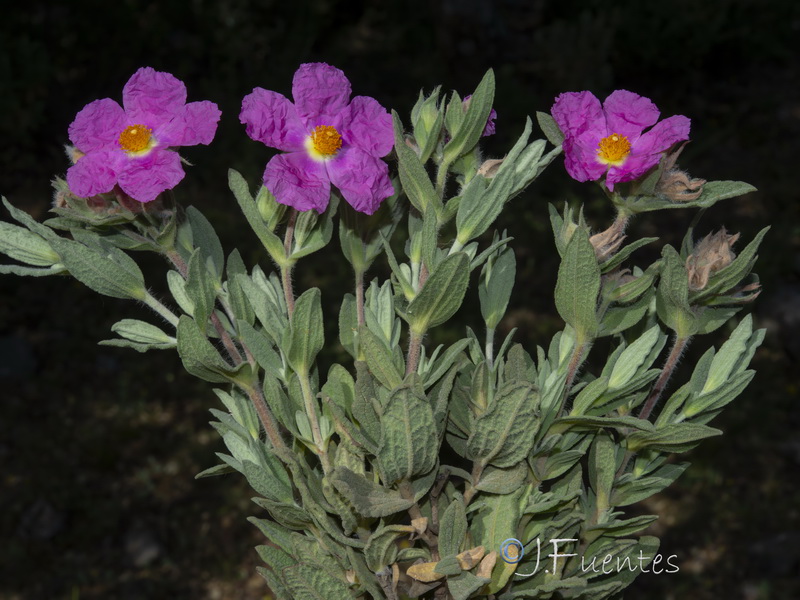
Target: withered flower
<point x="676" y="185"/>
<point x="712" y="254"/>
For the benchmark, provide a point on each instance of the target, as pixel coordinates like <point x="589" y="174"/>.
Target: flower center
<point x="135" y="138"/>
<point x="613" y="149"/>
<point x="326" y="140"/>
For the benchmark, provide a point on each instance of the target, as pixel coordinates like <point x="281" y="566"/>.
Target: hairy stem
<point x="572" y="370"/>
<point x="477" y="471"/>
<point x="162" y="310"/>
<point x="266" y="417"/>
<point x="672" y="361"/>
<point x="227" y="341"/>
<point x="360" y="296"/>
<point x="414" y="347"/>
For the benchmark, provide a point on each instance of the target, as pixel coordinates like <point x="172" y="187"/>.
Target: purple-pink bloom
<point x="130" y="146"/>
<point x="610" y="138"/>
<point x="327" y="139"/>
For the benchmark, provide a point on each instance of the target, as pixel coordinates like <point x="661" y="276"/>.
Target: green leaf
<point x="408" y="443"/>
<point x="497" y="281"/>
<point x="442" y="294"/>
<point x="634" y="356"/>
<point x="25" y="246"/>
<point x="453" y="528"/>
<point x="260" y="347"/>
<point x="200" y="287"/>
<point x="590" y="423"/>
<point x="205" y="238"/>
<point x="368" y="498"/>
<point x="502" y="481"/>
<point x="464" y="585"/>
<point x="305" y="336"/>
<point x="578" y="285"/>
<point x="380" y="359"/>
<point x="602" y="468"/>
<point x="496" y="521"/>
<point x="143" y="335"/>
<point x="416" y="183"/>
<point x="105" y="269"/>
<point x="199" y="356"/>
<point x="676" y="437"/>
<point x="620" y="257"/>
<point x="381" y="549"/>
<point x="550" y="129"/>
<point x="309" y="582"/>
<point x="241" y="191"/>
<point x="672" y="296"/>
<point x="469" y="131"/>
<point x="504" y="435"/>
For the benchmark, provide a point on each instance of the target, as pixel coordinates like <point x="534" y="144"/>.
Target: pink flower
<point x="131" y="146"/>
<point x="327" y="139"/>
<point x="609" y="138"/>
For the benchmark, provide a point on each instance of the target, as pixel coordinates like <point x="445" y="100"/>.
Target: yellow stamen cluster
<point x="135" y="138"/>
<point x="613" y="150"/>
<point x="326" y="140"/>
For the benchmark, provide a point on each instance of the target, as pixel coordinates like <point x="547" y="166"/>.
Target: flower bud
<point x="676" y="185"/>
<point x="606" y="243"/>
<point x="712" y="254"/>
<point x="426" y="118"/>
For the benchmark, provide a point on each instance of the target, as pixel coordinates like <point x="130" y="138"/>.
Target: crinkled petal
<point x="298" y="181"/>
<point x="270" y="118"/>
<point x="629" y="114"/>
<point x="199" y="122"/>
<point x="95" y="173"/>
<point x="580" y="158"/>
<point x="195" y="124"/>
<point x="663" y="135"/>
<point x="633" y="168"/>
<point x="362" y="178"/>
<point x="321" y="92"/>
<point x="368" y="126"/>
<point x="153" y="97"/>
<point x="97" y="126"/>
<point x="577" y="112"/>
<point x="647" y="151"/>
<point x="144" y="178"/>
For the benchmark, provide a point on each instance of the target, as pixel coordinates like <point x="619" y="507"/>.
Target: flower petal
<point x="577" y="112"/>
<point x="320" y="93"/>
<point x="490" y="128"/>
<point x="271" y="119"/>
<point x="629" y="114"/>
<point x="580" y="158"/>
<point x="298" y="181"/>
<point x="661" y="137"/>
<point x="362" y="178"/>
<point x="647" y="151"/>
<point x="97" y="125"/>
<point x="199" y="123"/>
<point x="94" y="173"/>
<point x="368" y="126"/>
<point x="153" y="97"/>
<point x="144" y="178"/>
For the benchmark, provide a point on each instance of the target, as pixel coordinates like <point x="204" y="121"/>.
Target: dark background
<point x="99" y="446"/>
